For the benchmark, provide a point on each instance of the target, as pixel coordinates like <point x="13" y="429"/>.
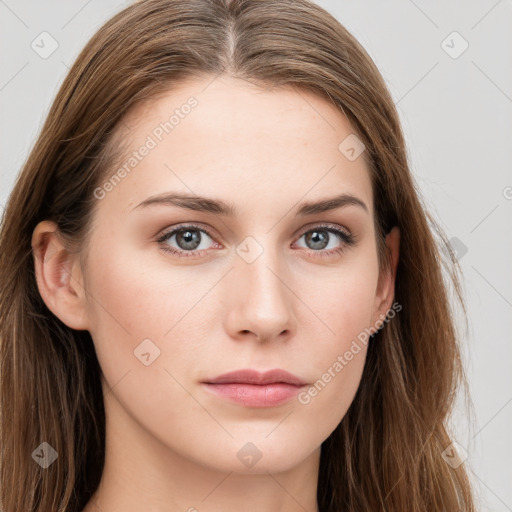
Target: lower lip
<point x="253" y="395"/>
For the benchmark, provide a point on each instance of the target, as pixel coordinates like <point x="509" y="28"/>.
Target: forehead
<point x="229" y="138"/>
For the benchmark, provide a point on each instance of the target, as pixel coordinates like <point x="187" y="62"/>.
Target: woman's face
<point x="256" y="280"/>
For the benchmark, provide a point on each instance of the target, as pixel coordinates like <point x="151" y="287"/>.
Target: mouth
<point x="251" y="388"/>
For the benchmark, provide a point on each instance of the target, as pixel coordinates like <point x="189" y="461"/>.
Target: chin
<point x="256" y="455"/>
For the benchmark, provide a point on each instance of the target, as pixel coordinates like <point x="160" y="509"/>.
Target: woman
<point x="220" y="288"/>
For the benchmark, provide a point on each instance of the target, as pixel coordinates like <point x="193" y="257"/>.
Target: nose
<point x="260" y="301"/>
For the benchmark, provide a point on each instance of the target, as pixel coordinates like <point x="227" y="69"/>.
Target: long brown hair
<point x="386" y="454"/>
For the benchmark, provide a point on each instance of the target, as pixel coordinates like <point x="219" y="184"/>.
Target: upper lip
<point x="250" y="376"/>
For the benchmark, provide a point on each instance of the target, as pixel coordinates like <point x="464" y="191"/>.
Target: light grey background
<point x="456" y="114"/>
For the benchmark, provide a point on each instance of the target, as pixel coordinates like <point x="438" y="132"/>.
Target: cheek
<point x="343" y="300"/>
<point x="345" y="306"/>
<point x="129" y="303"/>
<point x="337" y="362"/>
<point x="329" y="397"/>
<point x="133" y="291"/>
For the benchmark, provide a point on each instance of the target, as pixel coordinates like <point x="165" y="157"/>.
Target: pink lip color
<point x="256" y="395"/>
<point x="254" y="389"/>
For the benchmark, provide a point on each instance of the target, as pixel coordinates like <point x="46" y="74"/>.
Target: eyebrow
<point x="219" y="207"/>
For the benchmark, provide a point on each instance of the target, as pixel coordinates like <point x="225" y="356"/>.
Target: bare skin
<point x="172" y="445"/>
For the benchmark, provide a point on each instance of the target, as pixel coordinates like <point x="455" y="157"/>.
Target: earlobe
<point x="58" y="276"/>
<point x="386" y="285"/>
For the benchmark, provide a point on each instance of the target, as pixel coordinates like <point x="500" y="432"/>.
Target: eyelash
<point x="347" y="238"/>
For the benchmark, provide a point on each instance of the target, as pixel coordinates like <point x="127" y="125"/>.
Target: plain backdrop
<point x="448" y="65"/>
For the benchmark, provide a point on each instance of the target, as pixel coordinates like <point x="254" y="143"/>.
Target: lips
<point x="251" y="388"/>
<point x="254" y="377"/>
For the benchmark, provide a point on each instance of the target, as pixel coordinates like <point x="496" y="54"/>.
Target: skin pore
<point x="264" y="289"/>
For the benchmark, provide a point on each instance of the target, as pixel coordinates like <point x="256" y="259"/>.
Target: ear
<point x="386" y="283"/>
<point x="59" y="276"/>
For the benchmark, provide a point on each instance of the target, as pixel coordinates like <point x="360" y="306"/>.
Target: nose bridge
<point x="263" y="300"/>
<point x="259" y="264"/>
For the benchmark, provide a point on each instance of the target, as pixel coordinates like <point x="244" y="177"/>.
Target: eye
<point x="190" y="239"/>
<point x="321" y="237"/>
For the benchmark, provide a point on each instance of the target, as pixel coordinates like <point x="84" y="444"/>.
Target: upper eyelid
<point x="166" y="233"/>
<point x="325" y="225"/>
